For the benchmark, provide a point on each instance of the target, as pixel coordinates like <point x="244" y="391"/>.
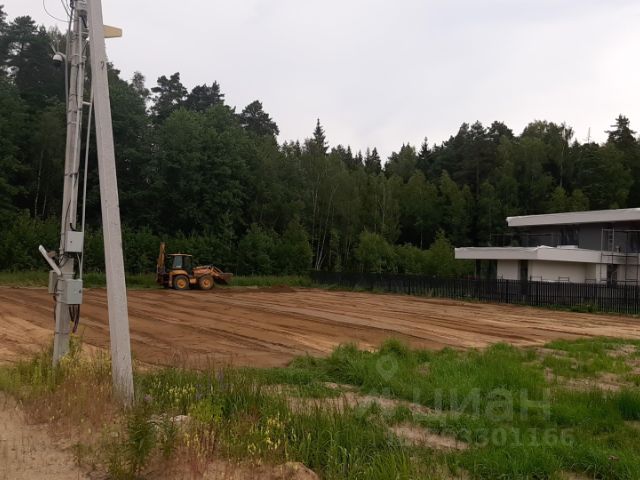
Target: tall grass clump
<point x="37" y="376"/>
<point x="232" y="412"/>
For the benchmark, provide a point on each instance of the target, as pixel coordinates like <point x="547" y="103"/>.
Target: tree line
<point x="195" y="172"/>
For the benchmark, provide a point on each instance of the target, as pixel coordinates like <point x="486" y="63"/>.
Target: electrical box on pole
<point x="72" y="292"/>
<point x="73" y="242"/>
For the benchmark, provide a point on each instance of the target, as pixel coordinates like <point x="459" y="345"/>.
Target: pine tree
<point x="372" y="162"/>
<point x="170" y="95"/>
<point x="254" y="119"/>
<point x="423" y="162"/>
<point x="621" y="135"/>
<point x="28" y="62"/>
<point x="203" y="97"/>
<point x="318" y="144"/>
<point x="138" y="84"/>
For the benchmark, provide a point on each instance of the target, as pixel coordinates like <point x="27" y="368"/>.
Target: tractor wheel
<point x="205" y="282"/>
<point x="181" y="282"/>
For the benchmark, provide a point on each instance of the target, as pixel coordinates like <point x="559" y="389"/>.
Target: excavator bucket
<point x="223" y="278"/>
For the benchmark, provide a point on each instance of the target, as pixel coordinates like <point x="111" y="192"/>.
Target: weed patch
<point x="389" y="413"/>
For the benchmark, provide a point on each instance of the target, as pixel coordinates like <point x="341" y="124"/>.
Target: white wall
<point x="508" y="269"/>
<point x="596" y="272"/>
<point x="552" y="271"/>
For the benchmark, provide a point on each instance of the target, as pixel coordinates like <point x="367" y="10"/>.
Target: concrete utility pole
<point x="114" y="263"/>
<point x="64" y="278"/>
<point x="70" y="244"/>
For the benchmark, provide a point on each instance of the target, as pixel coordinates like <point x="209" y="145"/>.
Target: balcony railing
<point x="531" y="240"/>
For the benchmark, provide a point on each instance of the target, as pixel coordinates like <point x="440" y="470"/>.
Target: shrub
<point x="441" y="260"/>
<point x="374" y="253"/>
<point x="20" y="240"/>
<point x="411" y="260"/>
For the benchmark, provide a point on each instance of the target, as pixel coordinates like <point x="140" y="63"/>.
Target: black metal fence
<point x="582" y="296"/>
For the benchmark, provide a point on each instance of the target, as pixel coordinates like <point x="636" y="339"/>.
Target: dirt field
<point x="267" y="327"/>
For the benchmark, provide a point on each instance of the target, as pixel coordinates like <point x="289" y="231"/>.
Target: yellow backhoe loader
<point x="176" y="271"/>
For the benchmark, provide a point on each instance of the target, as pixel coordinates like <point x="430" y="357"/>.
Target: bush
<point x="375" y="254"/>
<point x="441" y="261"/>
<point x="20" y="239"/>
<point x="411" y="260"/>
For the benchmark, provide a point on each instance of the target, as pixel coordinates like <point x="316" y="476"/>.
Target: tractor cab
<point x="180" y="261"/>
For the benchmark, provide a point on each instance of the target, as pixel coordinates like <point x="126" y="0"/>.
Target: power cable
<point x="66" y="8"/>
<point x="66" y="60"/>
<point x="51" y="15"/>
<point x="86" y="170"/>
<point x="74" y="315"/>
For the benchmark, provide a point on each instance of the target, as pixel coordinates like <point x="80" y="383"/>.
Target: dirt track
<point x="266" y="327"/>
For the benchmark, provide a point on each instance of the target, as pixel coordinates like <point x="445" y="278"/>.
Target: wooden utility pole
<point x="114" y="262"/>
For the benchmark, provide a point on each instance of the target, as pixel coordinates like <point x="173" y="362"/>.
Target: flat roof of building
<point x="568" y="218"/>
<point x="554" y="254"/>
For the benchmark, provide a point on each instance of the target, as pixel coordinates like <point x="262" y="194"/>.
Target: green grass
<point x="91" y="279"/>
<point x="588" y="358"/>
<point x="517" y="424"/>
<point x="24" y="279"/>
<point x="146" y="280"/>
<point x="250" y="421"/>
<point x="598" y="346"/>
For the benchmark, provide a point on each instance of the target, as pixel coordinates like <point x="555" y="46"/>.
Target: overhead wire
<point x="66" y="58"/>
<point x="86" y="170"/>
<point x="74" y="310"/>
<point x="79" y="101"/>
<point x="66" y="8"/>
<point x="44" y="5"/>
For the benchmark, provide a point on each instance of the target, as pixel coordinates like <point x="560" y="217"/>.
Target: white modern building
<point x="600" y="246"/>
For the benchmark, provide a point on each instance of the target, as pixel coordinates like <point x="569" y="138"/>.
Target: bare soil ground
<point x="268" y="327"/>
<point x="28" y="451"/>
<point x="261" y="327"/>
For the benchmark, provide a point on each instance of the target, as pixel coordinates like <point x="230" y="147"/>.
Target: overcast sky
<point x="383" y="73"/>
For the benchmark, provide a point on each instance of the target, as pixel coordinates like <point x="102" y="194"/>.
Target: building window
<point x="633" y="240"/>
<point x="569" y="235"/>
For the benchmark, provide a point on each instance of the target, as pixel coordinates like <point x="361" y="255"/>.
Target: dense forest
<point x="212" y="179"/>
